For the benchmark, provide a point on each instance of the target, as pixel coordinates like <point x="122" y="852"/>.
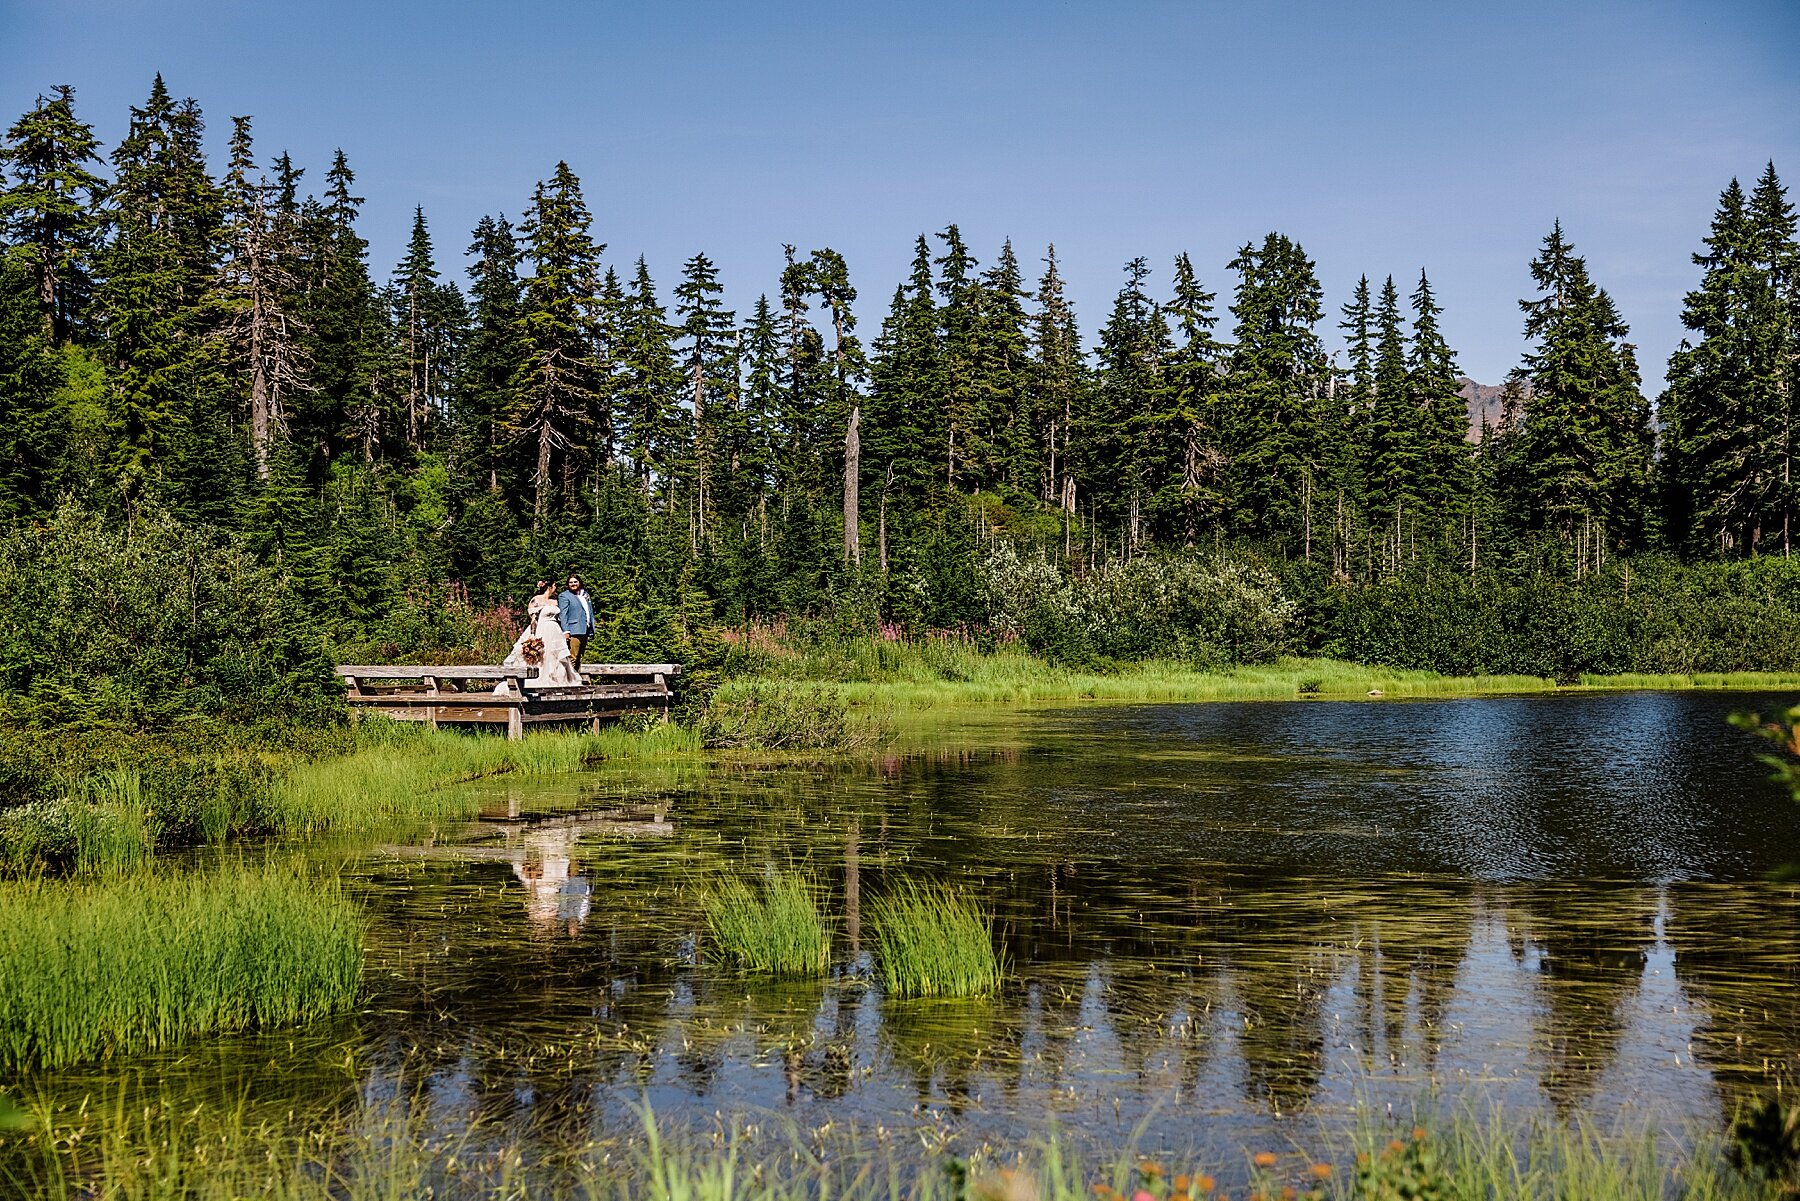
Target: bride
<point x="543" y="646"/>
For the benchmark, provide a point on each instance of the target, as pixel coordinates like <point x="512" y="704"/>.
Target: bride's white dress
<point x="557" y="668"/>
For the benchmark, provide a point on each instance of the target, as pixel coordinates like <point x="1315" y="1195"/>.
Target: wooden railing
<point x="507" y="695"/>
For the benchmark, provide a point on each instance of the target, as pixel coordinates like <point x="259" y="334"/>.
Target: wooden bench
<point x="434" y="694"/>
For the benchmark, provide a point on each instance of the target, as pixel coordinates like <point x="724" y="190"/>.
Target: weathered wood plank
<point x="417" y="671"/>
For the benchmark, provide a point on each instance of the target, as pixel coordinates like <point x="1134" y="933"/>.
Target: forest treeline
<point x="207" y="345"/>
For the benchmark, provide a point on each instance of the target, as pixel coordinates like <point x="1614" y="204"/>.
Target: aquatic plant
<point x="88" y="969"/>
<point x="773" y="716"/>
<point x="103" y="826"/>
<point x="168" y="1147"/>
<point x="933" y="941"/>
<point x="776" y="929"/>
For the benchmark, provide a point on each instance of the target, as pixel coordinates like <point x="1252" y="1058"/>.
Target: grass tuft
<point x="777" y="931"/>
<point x="934" y="942"/>
<point x="92" y="969"/>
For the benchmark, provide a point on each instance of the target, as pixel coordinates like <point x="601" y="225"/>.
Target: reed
<point x="933" y="941"/>
<point x="776" y="930"/>
<point x="379" y="1151"/>
<point x="408" y="775"/>
<point x="90" y="969"/>
<point x="104" y="826"/>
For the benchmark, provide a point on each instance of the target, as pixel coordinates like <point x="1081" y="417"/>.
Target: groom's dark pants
<point x="577" y="644"/>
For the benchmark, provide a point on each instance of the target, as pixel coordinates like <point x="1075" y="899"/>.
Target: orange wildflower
<point x="1264" y="1159"/>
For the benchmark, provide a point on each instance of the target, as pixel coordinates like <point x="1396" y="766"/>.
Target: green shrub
<point x="144" y="962"/>
<point x="779" y="717"/>
<point x="933" y="941"/>
<point x="776" y="930"/>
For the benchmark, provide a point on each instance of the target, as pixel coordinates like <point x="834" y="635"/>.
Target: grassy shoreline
<point x="945" y="672"/>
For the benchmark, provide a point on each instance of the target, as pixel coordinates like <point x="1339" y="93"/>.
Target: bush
<point x="1206" y="612"/>
<point x="143" y="620"/>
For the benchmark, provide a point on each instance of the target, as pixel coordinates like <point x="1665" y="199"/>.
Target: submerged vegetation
<point x="776" y="929"/>
<point x="144" y="962"/>
<point x="933" y="941"/>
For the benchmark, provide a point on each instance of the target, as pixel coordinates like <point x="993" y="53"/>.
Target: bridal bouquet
<point x="532" y="649"/>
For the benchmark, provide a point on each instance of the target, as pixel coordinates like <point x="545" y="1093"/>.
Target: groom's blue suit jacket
<point x="572" y="615"/>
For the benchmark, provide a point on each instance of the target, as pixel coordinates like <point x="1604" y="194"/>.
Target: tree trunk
<point x="852" y="473"/>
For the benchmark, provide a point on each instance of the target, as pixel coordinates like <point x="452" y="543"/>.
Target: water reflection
<point x="1212" y="915"/>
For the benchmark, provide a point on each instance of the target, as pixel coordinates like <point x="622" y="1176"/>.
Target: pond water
<point x="1219" y="920"/>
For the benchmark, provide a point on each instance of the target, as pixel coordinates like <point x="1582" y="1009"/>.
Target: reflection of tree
<point x="1408" y="949"/>
<point x="1737" y="957"/>
<point x="1591" y="945"/>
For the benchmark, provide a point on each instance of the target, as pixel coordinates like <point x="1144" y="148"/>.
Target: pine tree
<point x="34" y="431"/>
<point x="906" y="402"/>
<point x="557" y="386"/>
<point x="1348" y="423"/>
<point x="958" y="320"/>
<point x="751" y="454"/>
<point x="650" y="388"/>
<point x="709" y="361"/>
<point x="1278" y="373"/>
<point x="484" y="400"/>
<point x="799" y="467"/>
<point x="829" y="278"/>
<point x="1120" y="441"/>
<point x="1195" y="494"/>
<point x="1394" y="462"/>
<point x="1003" y="378"/>
<point x="1058" y="389"/>
<point x="1434" y="387"/>
<point x="50" y="212"/>
<point x="259" y="293"/>
<point x="1586" y="435"/>
<point x="348" y="344"/>
<point x="157" y="271"/>
<point x="422" y="315"/>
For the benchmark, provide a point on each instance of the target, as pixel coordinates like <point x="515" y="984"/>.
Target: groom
<point x="575" y="614"/>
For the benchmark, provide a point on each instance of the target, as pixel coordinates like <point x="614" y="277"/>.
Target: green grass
<point x="776" y="929"/>
<point x="929" y="672"/>
<point x="933" y="941"/>
<point x="415" y="774"/>
<point x="139" y="962"/>
<point x="369" y="1153"/>
<point x="102" y="827"/>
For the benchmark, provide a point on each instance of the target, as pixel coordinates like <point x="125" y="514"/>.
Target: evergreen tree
<point x="427" y="316"/>
<point x="557" y="387"/>
<point x="650" y="389"/>
<point x="34" y="425"/>
<point x="1587" y="439"/>
<point x="49" y="213"/>
<point x="960" y="355"/>
<point x="906" y="403"/>
<point x="1349" y="424"/>
<point x="1058" y="388"/>
<point x="1003" y="378"/>
<point x="751" y="453"/>
<point x="1277" y="372"/>
<point x="829" y="278"/>
<point x="258" y="293"/>
<point x="485" y="399"/>
<point x="1121" y="440"/>
<point x="1394" y="462"/>
<point x="157" y="271"/>
<point x="1193" y="497"/>
<point x="709" y="361"/>
<point x="345" y="410"/>
<point x="1434" y="386"/>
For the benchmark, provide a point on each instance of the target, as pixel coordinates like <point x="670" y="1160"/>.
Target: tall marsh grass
<point x="776" y="929"/>
<point x="415" y="774"/>
<point x="104" y="826"/>
<point x="89" y="969"/>
<point x="393" y="1150"/>
<point x="933" y="941"/>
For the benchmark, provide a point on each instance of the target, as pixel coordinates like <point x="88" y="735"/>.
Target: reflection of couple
<point x="557" y="629"/>
<point x="554" y="894"/>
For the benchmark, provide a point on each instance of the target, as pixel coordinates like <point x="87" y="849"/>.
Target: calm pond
<point x="1218" y="919"/>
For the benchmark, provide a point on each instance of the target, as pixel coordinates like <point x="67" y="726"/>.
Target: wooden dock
<point x="507" y="696"/>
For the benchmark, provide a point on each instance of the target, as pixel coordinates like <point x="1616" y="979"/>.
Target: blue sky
<point x="1384" y="137"/>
